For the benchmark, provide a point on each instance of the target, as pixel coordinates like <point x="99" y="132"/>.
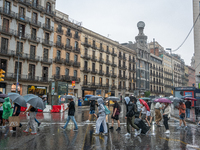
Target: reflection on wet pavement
<point x="51" y="137"/>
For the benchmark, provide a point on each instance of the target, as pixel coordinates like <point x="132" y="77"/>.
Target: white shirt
<point x="144" y="110"/>
<point x="158" y="105"/>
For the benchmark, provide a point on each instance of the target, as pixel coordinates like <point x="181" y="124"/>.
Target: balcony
<point x="120" y="57"/>
<point x="107" y="74"/>
<point x="47" y="42"/>
<point x="35" y="23"/>
<point x="101" y="60"/>
<point x="22" y="18"/>
<point x="6" y="52"/>
<point x="101" y="73"/>
<point x="101" y="49"/>
<point x="76" y="50"/>
<point x="25" y="2"/>
<point x="94" y="46"/>
<point x="48" y="27"/>
<point x="66" y="78"/>
<point x="76" y="37"/>
<point x="113" y="54"/>
<point x="59" y="45"/>
<point x="94" y="85"/>
<point x="93" y="71"/>
<point x="67" y="62"/>
<point x="113" y="65"/>
<point x="86" y="44"/>
<point x="77" y="80"/>
<point x="60" y="31"/>
<point x="119" y="87"/>
<point x="68" y="47"/>
<point x="124" y="58"/>
<point x="113" y="87"/>
<point x="23" y="35"/>
<point x="68" y="34"/>
<point x="76" y="64"/>
<point x="86" y="56"/>
<point x="130" y="89"/>
<point x="33" y="38"/>
<point x="86" y="70"/>
<point x="108" y="62"/>
<point x="30" y="57"/>
<point x="7" y="31"/>
<point x="131" y="70"/>
<point x="7" y="12"/>
<point x="113" y="75"/>
<point x="107" y="52"/>
<point x="58" y="60"/>
<point x="94" y="58"/>
<point x="57" y="77"/>
<point x="46" y="60"/>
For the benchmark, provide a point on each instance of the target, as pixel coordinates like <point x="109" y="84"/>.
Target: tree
<point x="147" y="93"/>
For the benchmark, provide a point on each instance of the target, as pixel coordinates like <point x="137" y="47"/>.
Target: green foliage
<point x="147" y="93"/>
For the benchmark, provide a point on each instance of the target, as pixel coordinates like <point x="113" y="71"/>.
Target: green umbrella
<point x="146" y="98"/>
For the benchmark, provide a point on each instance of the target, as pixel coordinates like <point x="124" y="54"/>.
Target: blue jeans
<point x="36" y="119"/>
<point x="187" y="113"/>
<point x="73" y="119"/>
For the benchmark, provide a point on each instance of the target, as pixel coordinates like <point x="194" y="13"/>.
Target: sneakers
<point x="139" y="131"/>
<point x="33" y="133"/>
<point x="198" y="124"/>
<point x="111" y="128"/>
<point x="39" y="124"/>
<point x="179" y="127"/>
<point x="87" y="121"/>
<point x="25" y="131"/>
<point x="127" y="134"/>
<point x="62" y="128"/>
<point x="185" y="127"/>
<point x="118" y="129"/>
<point x="104" y="133"/>
<point x="167" y="132"/>
<point x="95" y="134"/>
<point x="11" y="131"/>
<point x="136" y="133"/>
<point x="76" y="129"/>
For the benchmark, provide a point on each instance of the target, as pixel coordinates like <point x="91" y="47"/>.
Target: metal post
<point x="20" y="31"/>
<point x="172" y="72"/>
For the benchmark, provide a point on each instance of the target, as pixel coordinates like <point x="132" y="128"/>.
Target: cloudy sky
<point x="168" y="21"/>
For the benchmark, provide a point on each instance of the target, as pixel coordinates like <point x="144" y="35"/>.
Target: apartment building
<point x="156" y="76"/>
<point x="191" y="77"/>
<point x="66" y="54"/>
<point x="104" y="66"/>
<point x="33" y="22"/>
<point x="186" y="75"/>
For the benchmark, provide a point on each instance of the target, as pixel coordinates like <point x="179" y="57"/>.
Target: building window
<point x="75" y="73"/>
<point x="100" y="68"/>
<point x="5" y="25"/>
<point x="68" y="31"/>
<point x="58" y="55"/>
<point x="107" y="82"/>
<point x="32" y="52"/>
<point x="68" y="42"/>
<point x="100" y="81"/>
<point x="93" y="67"/>
<point x="120" y="73"/>
<point x="107" y="49"/>
<point x="31" y="73"/>
<point x="19" y="49"/>
<point x="57" y="71"/>
<point x="48" y="7"/>
<point x="33" y="34"/>
<point x="107" y="70"/>
<point x="34" y="18"/>
<point x="113" y="82"/>
<point x="101" y="47"/>
<point x="76" y="34"/>
<point x="67" y="72"/>
<point x="93" y="80"/>
<point x="107" y="58"/>
<point x="58" y="39"/>
<point x="21" y="12"/>
<point x="85" y="79"/>
<point x="22" y="27"/>
<point x="45" y="54"/>
<point x="67" y="57"/>
<point x="124" y="74"/>
<point x="113" y="60"/>
<point x="34" y="3"/>
<point x="85" y="65"/>
<point x="75" y="58"/>
<point x="100" y="55"/>
<point x="76" y="45"/>
<point x="46" y="37"/>
<point x="119" y="63"/>
<point x="20" y="67"/>
<point x="4" y="45"/>
<point x="48" y="23"/>
<point x="7" y="7"/>
<point x="113" y="50"/>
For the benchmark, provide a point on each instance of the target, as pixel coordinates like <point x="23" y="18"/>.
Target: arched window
<point x="48" y="7"/>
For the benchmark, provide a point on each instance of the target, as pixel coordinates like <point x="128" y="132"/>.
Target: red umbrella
<point x="190" y="98"/>
<point x="145" y="104"/>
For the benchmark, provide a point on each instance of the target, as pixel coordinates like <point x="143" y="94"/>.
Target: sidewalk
<point x="192" y="119"/>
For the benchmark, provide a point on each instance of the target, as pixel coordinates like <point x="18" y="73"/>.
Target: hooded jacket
<point x="101" y="108"/>
<point x="130" y="107"/>
<point x="6" y="108"/>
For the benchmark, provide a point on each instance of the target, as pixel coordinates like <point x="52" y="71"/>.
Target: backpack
<point x="130" y="110"/>
<point x="107" y="111"/>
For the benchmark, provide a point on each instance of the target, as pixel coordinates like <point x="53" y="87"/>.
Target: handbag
<point x="183" y="115"/>
<point x="165" y="116"/>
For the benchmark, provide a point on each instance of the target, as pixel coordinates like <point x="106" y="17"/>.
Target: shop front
<point x="37" y="90"/>
<point x="2" y="88"/>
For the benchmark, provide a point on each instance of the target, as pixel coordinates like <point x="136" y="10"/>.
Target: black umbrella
<point x="2" y="100"/>
<point x="93" y="98"/>
<point x="112" y="98"/>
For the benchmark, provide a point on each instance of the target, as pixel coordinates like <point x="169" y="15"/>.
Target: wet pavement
<point x="51" y="137"/>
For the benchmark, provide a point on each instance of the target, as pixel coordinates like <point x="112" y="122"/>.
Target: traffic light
<point x="1" y="75"/>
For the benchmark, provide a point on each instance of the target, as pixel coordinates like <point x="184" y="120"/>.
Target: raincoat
<point x="6" y="108"/>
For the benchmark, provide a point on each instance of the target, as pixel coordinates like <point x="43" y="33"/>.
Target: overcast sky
<point x="168" y="21"/>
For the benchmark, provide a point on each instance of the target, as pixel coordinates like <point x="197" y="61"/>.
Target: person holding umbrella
<point x="6" y="110"/>
<point x="92" y="109"/>
<point x="1" y="111"/>
<point x="166" y="116"/>
<point x="188" y="105"/>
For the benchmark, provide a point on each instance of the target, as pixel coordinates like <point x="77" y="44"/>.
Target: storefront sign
<point x="185" y="88"/>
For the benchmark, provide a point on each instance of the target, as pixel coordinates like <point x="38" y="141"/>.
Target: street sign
<point x="73" y="84"/>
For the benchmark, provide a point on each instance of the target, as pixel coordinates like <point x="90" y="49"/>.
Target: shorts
<point x="152" y="113"/>
<point x="148" y="113"/>
<point x="182" y="118"/>
<point x="116" y="117"/>
<point x="92" y="112"/>
<point x="143" y="116"/>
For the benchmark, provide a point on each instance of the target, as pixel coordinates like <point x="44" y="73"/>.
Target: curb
<point x="185" y="120"/>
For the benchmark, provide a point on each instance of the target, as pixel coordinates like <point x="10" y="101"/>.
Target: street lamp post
<point x="20" y="31"/>
<point x="169" y="49"/>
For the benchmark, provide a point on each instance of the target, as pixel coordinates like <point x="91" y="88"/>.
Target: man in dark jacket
<point x="92" y="109"/>
<point x="71" y="107"/>
<point x="188" y="107"/>
<point x="130" y="115"/>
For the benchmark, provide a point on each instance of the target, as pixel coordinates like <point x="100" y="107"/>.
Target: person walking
<point x="102" y="118"/>
<point x="71" y="112"/>
<point x="16" y="112"/>
<point x="115" y="115"/>
<point x="188" y="105"/>
<point x="144" y="114"/>
<point x="1" y="113"/>
<point x="130" y="116"/>
<point x="6" y="110"/>
<point x="31" y="122"/>
<point x="166" y="116"/>
<point x="92" y="109"/>
<point x="182" y="109"/>
<point x="152" y="111"/>
<point x="158" y="116"/>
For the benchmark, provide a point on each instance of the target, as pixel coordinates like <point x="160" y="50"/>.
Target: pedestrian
<point x="166" y="116"/>
<point x="31" y="122"/>
<point x="144" y="114"/>
<point x="188" y="107"/>
<point x="44" y="99"/>
<point x="39" y="123"/>
<point x="92" y="110"/>
<point x="1" y="113"/>
<point x="71" y="112"/>
<point x="182" y="109"/>
<point x="115" y="115"/>
<point x="152" y="111"/>
<point x="130" y="116"/>
<point x="6" y="110"/>
<point x="149" y="112"/>
<point x="158" y="116"/>
<point x="16" y="112"/>
<point x="101" y="118"/>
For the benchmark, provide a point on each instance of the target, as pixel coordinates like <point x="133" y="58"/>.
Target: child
<point x="71" y="112"/>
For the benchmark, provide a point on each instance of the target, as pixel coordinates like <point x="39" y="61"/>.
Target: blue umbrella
<point x="17" y="98"/>
<point x="88" y="96"/>
<point x="34" y="101"/>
